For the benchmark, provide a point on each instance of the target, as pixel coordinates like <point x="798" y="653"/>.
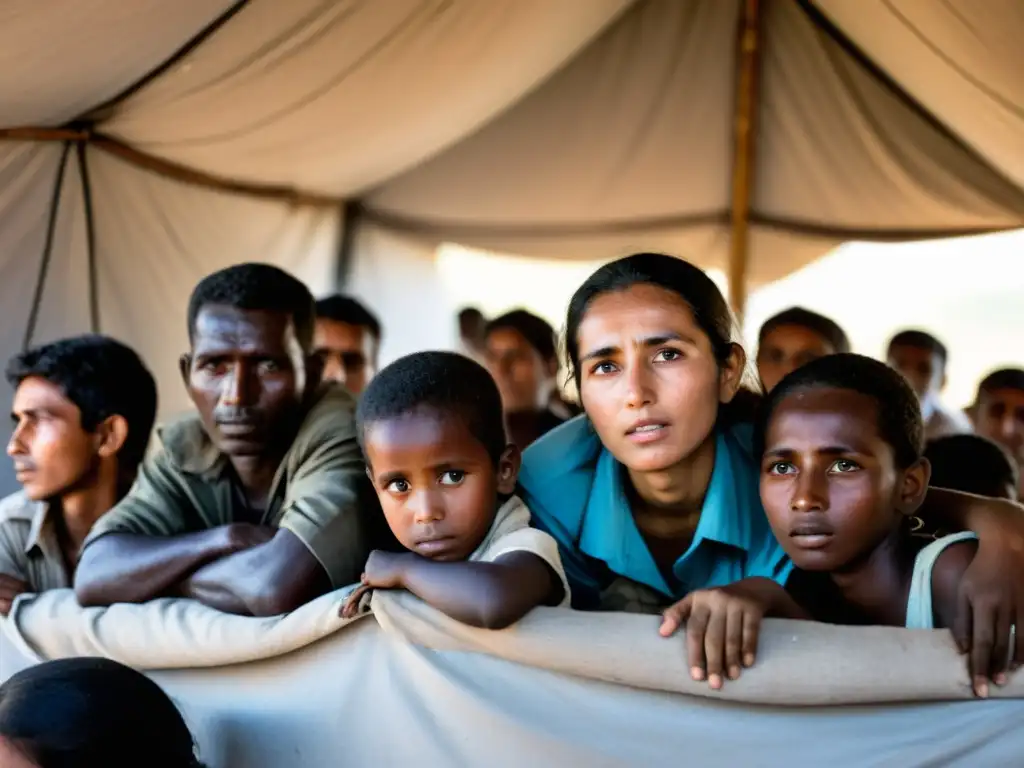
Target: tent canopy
<point x="146" y="144"/>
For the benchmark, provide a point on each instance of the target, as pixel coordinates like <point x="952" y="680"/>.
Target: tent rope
<point x="44" y="261"/>
<point x="90" y="236"/>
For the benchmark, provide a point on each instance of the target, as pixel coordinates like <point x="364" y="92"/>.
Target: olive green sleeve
<point x="329" y="496"/>
<point x="157" y="505"/>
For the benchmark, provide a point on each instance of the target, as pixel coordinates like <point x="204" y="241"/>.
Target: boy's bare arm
<point x="489" y="595"/>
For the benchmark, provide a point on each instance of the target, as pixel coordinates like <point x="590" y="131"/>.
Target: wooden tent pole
<point x="743" y="153"/>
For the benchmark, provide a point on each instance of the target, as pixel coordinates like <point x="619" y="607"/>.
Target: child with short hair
<point x="842" y="474"/>
<point x="430" y="426"/>
<point x="973" y="464"/>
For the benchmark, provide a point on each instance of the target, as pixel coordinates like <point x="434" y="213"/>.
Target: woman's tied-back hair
<point x="690" y="283"/>
<point x="824" y="327"/>
<point x="93" y="713"/>
<point x="899" y="412"/>
<point x="257" y="287"/>
<point x="442" y="382"/>
<point x="103" y="378"/>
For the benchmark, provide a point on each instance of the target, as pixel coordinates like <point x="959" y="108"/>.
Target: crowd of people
<point x="837" y="488"/>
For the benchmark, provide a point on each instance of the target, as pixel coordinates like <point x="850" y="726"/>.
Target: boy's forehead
<point x="427" y="436"/>
<point x="826" y="415"/>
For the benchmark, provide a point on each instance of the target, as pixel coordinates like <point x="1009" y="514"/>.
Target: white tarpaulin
<point x="570" y="128"/>
<point x="410" y="686"/>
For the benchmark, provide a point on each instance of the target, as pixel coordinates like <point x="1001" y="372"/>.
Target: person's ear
<point x="508" y="470"/>
<point x="914" y="486"/>
<point x="185" y="368"/>
<point x="111" y="434"/>
<point x="730" y="374"/>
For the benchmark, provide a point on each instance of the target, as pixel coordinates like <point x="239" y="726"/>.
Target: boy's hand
<point x="722" y="627"/>
<point x="386" y="570"/>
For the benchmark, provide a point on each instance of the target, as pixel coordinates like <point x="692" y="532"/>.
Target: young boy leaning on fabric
<point x="431" y="430"/>
<point x="842" y="474"/>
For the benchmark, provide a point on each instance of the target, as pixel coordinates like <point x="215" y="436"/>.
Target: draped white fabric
<point x="570" y="128"/>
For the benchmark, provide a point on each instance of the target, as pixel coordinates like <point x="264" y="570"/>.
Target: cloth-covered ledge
<point x="799" y="663"/>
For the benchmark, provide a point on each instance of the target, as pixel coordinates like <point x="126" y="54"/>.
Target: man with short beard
<point x="255" y="504"/>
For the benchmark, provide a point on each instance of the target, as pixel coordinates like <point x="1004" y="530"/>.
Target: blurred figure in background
<point x="998" y="412"/>
<point x="472" y="330"/>
<point x="973" y="464"/>
<point x="922" y="360"/>
<point x="793" y="338"/>
<point x="348" y="337"/>
<point x="522" y="357"/>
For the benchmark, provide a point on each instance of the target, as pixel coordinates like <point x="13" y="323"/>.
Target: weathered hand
<point x="385" y="570"/>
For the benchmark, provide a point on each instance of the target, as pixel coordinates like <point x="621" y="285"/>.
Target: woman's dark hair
<point x="88" y="712"/>
<point x="710" y="310"/>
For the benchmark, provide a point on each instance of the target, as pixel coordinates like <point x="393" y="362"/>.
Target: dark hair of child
<point x="972" y="464"/>
<point x="899" y="412"/>
<point x="93" y="713"/>
<point x="442" y="382"/>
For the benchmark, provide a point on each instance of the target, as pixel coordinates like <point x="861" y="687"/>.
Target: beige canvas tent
<point x="145" y="144"/>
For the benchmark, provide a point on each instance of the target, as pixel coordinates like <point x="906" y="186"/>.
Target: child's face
<point x="829" y="481"/>
<point x="436" y="483"/>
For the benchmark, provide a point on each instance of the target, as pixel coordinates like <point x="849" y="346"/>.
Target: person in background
<point x="258" y="502"/>
<point x="973" y="464"/>
<point x="922" y="360"/>
<point x="522" y="358"/>
<point x="83" y="411"/>
<point x="431" y="431"/>
<point x="472" y="328"/>
<point x="90" y="713"/>
<point x="655" y="493"/>
<point x="347" y="337"/>
<point x="998" y="412"/>
<point x="795" y="337"/>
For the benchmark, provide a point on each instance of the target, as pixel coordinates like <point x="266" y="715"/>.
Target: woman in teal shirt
<point x="653" y="492"/>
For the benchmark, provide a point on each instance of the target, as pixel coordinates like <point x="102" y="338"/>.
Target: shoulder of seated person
<point x="17" y="506"/>
<point x="570" y="446"/>
<point x="331" y="416"/>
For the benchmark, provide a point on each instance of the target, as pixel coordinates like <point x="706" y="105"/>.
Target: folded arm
<point x="266" y="580"/>
<point x="490" y="595"/>
<point x="134" y="568"/>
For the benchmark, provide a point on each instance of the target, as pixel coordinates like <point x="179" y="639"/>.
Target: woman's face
<point x="649" y="380"/>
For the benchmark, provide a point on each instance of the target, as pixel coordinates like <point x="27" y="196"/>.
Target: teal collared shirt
<point x="575" y="490"/>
